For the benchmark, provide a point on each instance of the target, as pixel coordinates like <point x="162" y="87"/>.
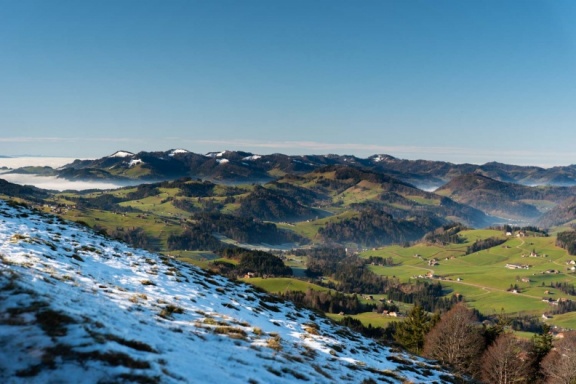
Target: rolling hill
<point x="563" y="213"/>
<point x="504" y="199"/>
<point x="77" y="307"/>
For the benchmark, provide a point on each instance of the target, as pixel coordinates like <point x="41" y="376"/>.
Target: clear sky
<point x="462" y="81"/>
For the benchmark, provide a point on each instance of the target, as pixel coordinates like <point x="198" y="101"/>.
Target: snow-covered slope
<point x="79" y="308"/>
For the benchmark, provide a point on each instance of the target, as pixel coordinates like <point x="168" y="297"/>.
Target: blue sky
<point x="462" y="81"/>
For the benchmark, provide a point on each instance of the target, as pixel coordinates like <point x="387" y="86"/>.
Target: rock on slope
<point x="76" y="307"/>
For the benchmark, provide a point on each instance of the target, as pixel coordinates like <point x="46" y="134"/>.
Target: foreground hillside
<point x="77" y="307"/>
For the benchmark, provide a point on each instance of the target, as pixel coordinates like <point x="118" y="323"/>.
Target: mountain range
<point x="238" y="166"/>
<point x="296" y="188"/>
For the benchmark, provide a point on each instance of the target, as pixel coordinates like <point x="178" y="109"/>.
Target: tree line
<point x="375" y="227"/>
<point x="447" y="234"/>
<point x="199" y="231"/>
<point x="335" y="302"/>
<point x="257" y="263"/>
<point x="567" y="240"/>
<point x="481" y="244"/>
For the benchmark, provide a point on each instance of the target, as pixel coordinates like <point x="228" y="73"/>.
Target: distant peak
<point x="121" y="154"/>
<point x="379" y="158"/>
<point x="215" y="154"/>
<point x="178" y="151"/>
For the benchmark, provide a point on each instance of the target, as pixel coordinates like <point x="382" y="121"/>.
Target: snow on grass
<point x="77" y="307"/>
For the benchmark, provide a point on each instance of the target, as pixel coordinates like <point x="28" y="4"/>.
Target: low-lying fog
<point x="52" y="182"/>
<point x="49" y="182"/>
<point x="19" y="162"/>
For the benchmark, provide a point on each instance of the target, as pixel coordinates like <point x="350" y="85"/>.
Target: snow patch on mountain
<point x="121" y="154"/>
<point x="134" y="162"/>
<point x="215" y="154"/>
<point x="252" y="158"/>
<point x="177" y="151"/>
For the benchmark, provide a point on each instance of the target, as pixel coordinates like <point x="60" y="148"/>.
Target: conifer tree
<point x="411" y="332"/>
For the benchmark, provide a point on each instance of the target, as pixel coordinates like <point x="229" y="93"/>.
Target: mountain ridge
<point x="243" y="166"/>
<point x="503" y="199"/>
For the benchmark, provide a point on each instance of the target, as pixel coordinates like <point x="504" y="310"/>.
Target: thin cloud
<point x="468" y="153"/>
<point x="65" y="139"/>
<point x="445" y="153"/>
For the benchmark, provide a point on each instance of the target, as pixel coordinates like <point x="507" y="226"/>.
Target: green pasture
<point x="482" y="277"/>
<point x="524" y="335"/>
<point x="491" y="301"/>
<point x="368" y="318"/>
<point x="297" y="263"/>
<point x="282" y="284"/>
<point x="309" y="228"/>
<point x="157" y="205"/>
<point x="566" y="320"/>
<point x="152" y="225"/>
<point x="423" y="200"/>
<point x="360" y="192"/>
<point x="196" y="255"/>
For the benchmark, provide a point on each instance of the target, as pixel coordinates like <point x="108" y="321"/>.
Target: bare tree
<point x="559" y="366"/>
<point x="507" y="361"/>
<point x="456" y="341"/>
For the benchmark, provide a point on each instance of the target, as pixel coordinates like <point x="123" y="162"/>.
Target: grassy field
<point x="483" y="278"/>
<point x="282" y="284"/>
<point x="309" y="228"/>
<point x="368" y="318"/>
